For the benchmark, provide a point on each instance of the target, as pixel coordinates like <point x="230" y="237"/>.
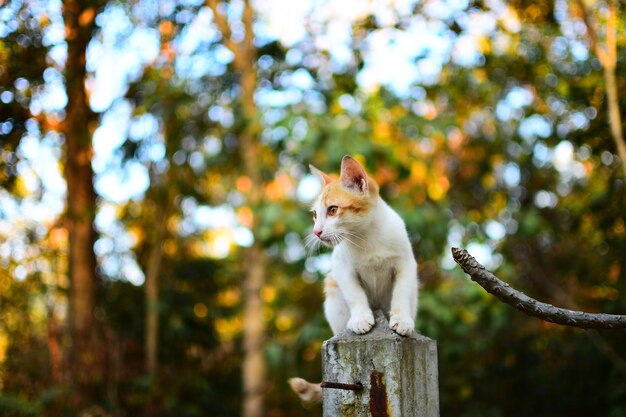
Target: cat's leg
<point x="404" y="298"/>
<point x="335" y="307"/>
<point x="361" y="316"/>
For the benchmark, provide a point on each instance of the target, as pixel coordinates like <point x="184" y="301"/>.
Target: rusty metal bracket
<point x="379" y="406"/>
<point x="339" y="385"/>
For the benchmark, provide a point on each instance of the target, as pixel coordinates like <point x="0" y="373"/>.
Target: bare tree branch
<point x="222" y="25"/>
<point x="509" y="295"/>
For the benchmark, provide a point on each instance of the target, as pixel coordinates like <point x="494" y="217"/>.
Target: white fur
<point x="373" y="266"/>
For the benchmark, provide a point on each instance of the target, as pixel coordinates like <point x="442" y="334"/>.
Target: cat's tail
<point x="306" y="391"/>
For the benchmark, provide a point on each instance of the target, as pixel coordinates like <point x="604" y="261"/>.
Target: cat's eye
<point x="314" y="214"/>
<point x="332" y="210"/>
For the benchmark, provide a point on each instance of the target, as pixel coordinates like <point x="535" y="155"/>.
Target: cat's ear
<point x="353" y="175"/>
<point x="324" y="178"/>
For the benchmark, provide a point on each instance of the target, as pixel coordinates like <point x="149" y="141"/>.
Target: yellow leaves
<point x="229" y="297"/>
<point x="228" y="328"/>
<point x="4" y="343"/>
<point x="510" y="20"/>
<point x="419" y="172"/>
<point x="381" y="132"/>
<point x="335" y="108"/>
<point x="480" y="75"/>
<point x="603" y="292"/>
<point x="170" y="247"/>
<point x="359" y="158"/>
<point x="588" y="223"/>
<point x="220" y="243"/>
<point x="438" y="189"/>
<point x="496" y="205"/>
<point x="215" y="243"/>
<point x="619" y="230"/>
<point x="468" y="316"/>
<point x="475" y="216"/>
<point x="488" y="181"/>
<point x="268" y="294"/>
<point x="483" y="44"/>
<point x="283" y="322"/>
<point x="21" y="189"/>
<point x="137" y="235"/>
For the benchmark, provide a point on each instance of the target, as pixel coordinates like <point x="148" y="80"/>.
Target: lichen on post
<point x="398" y="374"/>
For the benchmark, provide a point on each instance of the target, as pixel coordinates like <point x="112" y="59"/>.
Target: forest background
<point x="154" y="196"/>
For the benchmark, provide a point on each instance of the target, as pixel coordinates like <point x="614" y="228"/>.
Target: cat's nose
<point x="318" y="233"/>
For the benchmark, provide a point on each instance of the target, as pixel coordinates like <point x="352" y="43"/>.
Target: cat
<point x="372" y="264"/>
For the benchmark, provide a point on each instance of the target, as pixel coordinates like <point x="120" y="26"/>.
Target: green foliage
<point x="532" y="181"/>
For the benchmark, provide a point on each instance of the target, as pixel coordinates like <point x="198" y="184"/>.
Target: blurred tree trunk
<point x="85" y="356"/>
<point x="152" y="295"/>
<point x="54" y="347"/>
<point x="254" y="367"/>
<point x="607" y="56"/>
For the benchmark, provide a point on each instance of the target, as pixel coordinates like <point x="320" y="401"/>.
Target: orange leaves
<point x="86" y="17"/>
<point x="243" y="184"/>
<point x="280" y="188"/>
<point x="166" y="28"/>
<point x="245" y="216"/>
<point x="58" y="238"/>
<point x="200" y="310"/>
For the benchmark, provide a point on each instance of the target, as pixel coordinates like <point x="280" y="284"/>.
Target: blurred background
<point x="155" y="196"/>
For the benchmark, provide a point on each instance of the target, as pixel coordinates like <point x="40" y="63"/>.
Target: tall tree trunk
<point x="152" y="296"/>
<point x="85" y="356"/>
<point x="54" y="347"/>
<point x="255" y="260"/>
<point x="607" y="56"/>
<point x="610" y="66"/>
<point x="254" y="369"/>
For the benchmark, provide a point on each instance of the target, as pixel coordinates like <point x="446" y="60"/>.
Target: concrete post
<point x="398" y="374"/>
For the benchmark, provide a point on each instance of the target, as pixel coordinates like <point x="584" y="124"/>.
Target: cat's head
<point x="344" y="204"/>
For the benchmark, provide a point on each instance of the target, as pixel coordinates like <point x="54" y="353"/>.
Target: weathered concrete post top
<point x="398" y="374"/>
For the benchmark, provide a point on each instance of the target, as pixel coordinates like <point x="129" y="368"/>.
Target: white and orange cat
<point x="372" y="265"/>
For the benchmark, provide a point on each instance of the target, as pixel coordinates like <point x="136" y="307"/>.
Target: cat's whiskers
<point x="354" y="234"/>
<point x="312" y="244"/>
<point x="351" y="236"/>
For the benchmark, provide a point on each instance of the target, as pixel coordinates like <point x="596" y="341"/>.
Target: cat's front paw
<point x="361" y="323"/>
<point x="401" y="325"/>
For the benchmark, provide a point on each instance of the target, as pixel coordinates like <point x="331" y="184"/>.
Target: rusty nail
<point x="338" y="385"/>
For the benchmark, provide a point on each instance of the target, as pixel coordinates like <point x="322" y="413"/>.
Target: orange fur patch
<point x="334" y="194"/>
<point x="330" y="285"/>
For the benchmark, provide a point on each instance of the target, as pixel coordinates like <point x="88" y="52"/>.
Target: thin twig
<point x="509" y="295"/>
<point x="222" y="25"/>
